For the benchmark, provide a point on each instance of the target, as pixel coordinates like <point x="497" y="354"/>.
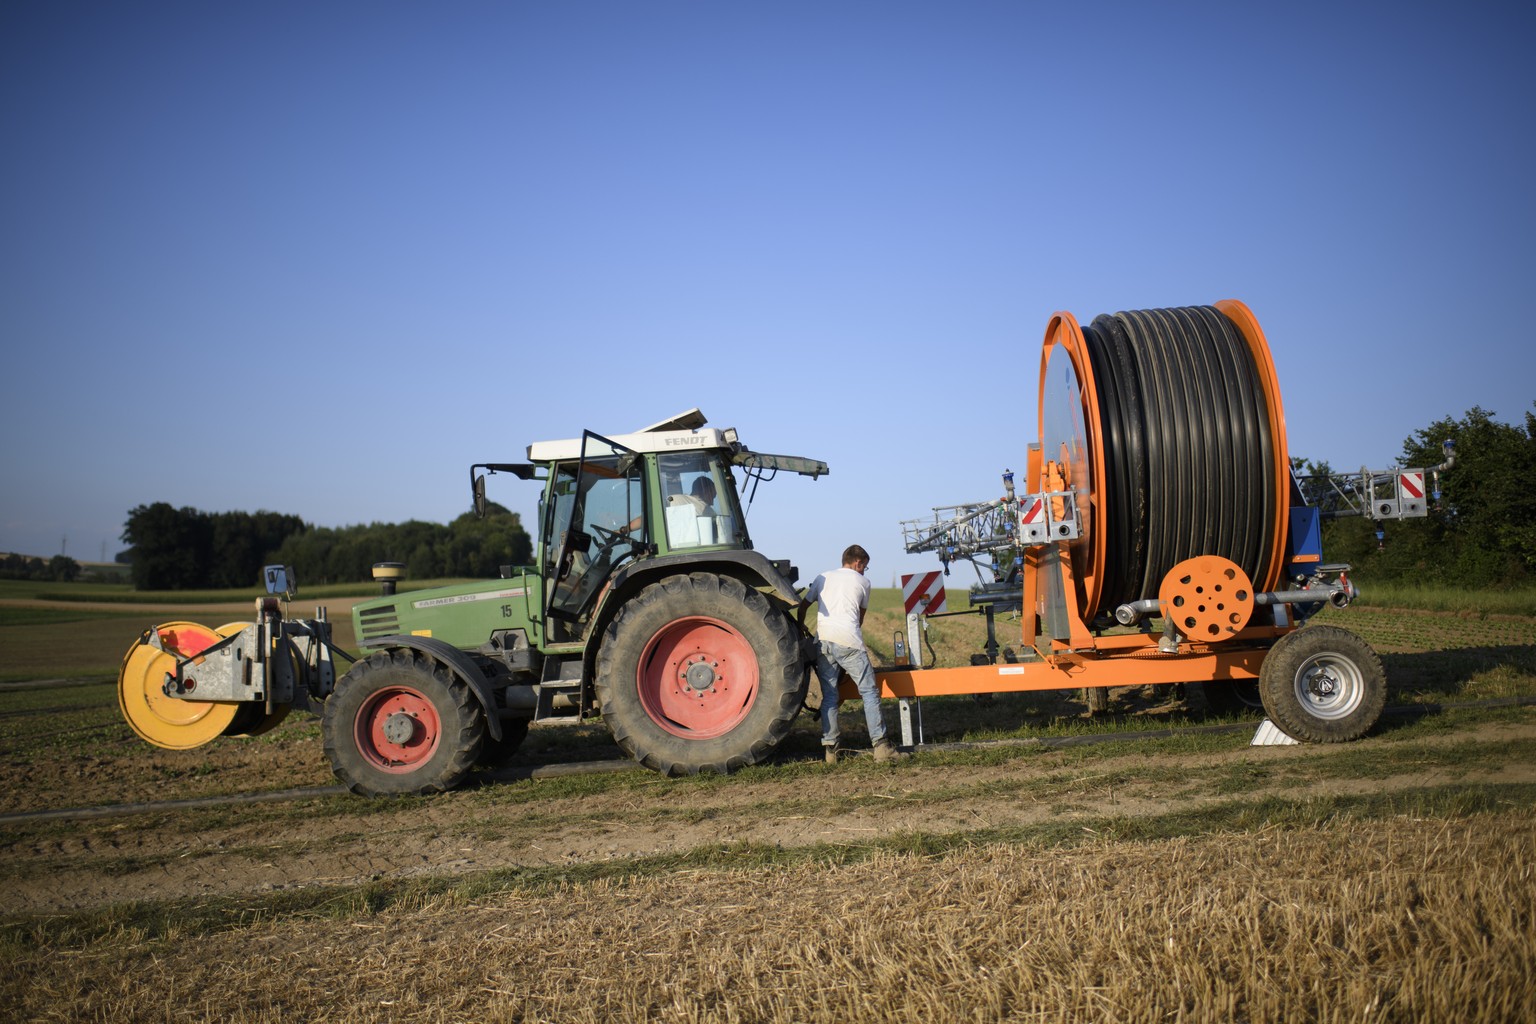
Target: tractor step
<point x="558" y="704"/>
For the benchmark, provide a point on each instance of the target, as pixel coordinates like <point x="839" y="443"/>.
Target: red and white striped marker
<point x="1034" y="513"/>
<point x="1412" y="484"/>
<point x="923" y="592"/>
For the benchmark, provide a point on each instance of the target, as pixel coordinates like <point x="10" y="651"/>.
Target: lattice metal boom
<point x="958" y="531"/>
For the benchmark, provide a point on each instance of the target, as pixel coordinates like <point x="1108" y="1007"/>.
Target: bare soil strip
<point x="226" y="851"/>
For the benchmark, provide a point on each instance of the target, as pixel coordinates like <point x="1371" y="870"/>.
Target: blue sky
<point x="318" y="258"/>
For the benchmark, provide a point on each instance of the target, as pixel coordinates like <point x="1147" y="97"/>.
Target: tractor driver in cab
<point x="701" y="496"/>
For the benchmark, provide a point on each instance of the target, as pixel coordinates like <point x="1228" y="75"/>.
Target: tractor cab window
<point x="699" y="500"/>
<point x="595" y="521"/>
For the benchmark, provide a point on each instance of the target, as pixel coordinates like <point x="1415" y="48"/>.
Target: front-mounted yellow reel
<point x="167" y="721"/>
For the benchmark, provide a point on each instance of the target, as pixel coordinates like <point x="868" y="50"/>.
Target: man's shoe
<point x="831" y="754"/>
<point x="885" y="752"/>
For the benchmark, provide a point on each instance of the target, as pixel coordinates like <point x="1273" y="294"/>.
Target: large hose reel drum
<point x="1169" y="421"/>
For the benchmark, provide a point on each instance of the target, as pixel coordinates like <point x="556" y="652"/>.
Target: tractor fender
<point x="743" y="564"/>
<point x="459" y="663"/>
<point x="755" y="564"/>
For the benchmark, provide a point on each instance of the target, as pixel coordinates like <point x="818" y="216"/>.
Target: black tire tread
<point x="781" y="676"/>
<point x="1277" y="684"/>
<point x="463" y="725"/>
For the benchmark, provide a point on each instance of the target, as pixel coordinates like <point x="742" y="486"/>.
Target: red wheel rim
<point x="698" y="678"/>
<point x="397" y="729"/>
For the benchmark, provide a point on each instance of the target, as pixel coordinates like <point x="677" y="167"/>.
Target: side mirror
<point x="479" y="496"/>
<point x="280" y="580"/>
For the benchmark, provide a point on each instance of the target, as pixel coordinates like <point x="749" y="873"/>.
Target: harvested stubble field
<point x="988" y="878"/>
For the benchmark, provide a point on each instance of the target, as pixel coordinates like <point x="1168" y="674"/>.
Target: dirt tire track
<point x="261" y="848"/>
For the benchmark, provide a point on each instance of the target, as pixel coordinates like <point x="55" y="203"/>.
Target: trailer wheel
<point x="494" y="753"/>
<point x="400" y="723"/>
<point x="1322" y="684"/>
<point x="699" y="672"/>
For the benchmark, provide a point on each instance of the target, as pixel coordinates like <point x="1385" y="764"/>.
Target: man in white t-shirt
<point x="841" y="597"/>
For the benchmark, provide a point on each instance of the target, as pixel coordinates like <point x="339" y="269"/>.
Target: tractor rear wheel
<point x="1322" y="684"/>
<point x="400" y="723"/>
<point x="700" y="672"/>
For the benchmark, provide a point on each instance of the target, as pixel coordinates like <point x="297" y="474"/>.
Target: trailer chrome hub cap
<point x="1329" y="687"/>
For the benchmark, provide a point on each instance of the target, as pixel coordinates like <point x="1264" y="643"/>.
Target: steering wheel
<point x="608" y="537"/>
<point x="612" y="538"/>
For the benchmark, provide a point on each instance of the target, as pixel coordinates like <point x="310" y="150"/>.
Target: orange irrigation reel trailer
<point x="1161" y="537"/>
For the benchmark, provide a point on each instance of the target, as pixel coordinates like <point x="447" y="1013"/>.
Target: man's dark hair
<point x="853" y="553"/>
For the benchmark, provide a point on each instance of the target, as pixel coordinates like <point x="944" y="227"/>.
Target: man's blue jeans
<point x="854" y="661"/>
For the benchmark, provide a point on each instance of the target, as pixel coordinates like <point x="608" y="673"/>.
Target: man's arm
<point x="810" y="595"/>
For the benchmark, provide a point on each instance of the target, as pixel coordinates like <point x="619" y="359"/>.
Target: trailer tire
<point x="401" y="724"/>
<point x="700" y="672"/>
<point x="495" y="753"/>
<point x="1323" y="684"/>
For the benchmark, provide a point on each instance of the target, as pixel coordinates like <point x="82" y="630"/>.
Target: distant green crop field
<point x="1448" y="599"/>
<point x="123" y="593"/>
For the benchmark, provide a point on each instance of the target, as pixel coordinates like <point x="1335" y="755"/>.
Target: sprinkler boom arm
<point x="1378" y="494"/>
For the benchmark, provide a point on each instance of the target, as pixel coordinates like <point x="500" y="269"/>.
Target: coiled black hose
<point x="1188" y="459"/>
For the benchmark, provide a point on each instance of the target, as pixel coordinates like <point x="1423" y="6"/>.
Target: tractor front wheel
<point x="1322" y="684"/>
<point x="699" y="672"/>
<point x="400" y="723"/>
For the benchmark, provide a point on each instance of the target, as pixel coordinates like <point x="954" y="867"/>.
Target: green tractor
<point x="647" y="606"/>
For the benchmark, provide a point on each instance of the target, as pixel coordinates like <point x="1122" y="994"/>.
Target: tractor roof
<point x="650" y="441"/>
<point x="684" y="432"/>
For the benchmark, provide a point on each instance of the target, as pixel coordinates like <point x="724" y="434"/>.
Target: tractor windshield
<point x="700" y="501"/>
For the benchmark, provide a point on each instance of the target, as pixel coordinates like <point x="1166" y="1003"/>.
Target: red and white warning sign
<point x="923" y="592"/>
<point x="1034" y="512"/>
<point x="1412" y="484"/>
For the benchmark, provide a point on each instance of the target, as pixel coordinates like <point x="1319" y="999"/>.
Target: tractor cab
<point x="609" y="503"/>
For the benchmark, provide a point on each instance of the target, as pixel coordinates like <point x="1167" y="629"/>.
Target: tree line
<point x="1480" y="533"/>
<point x="58" y="569"/>
<point x="188" y="549"/>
